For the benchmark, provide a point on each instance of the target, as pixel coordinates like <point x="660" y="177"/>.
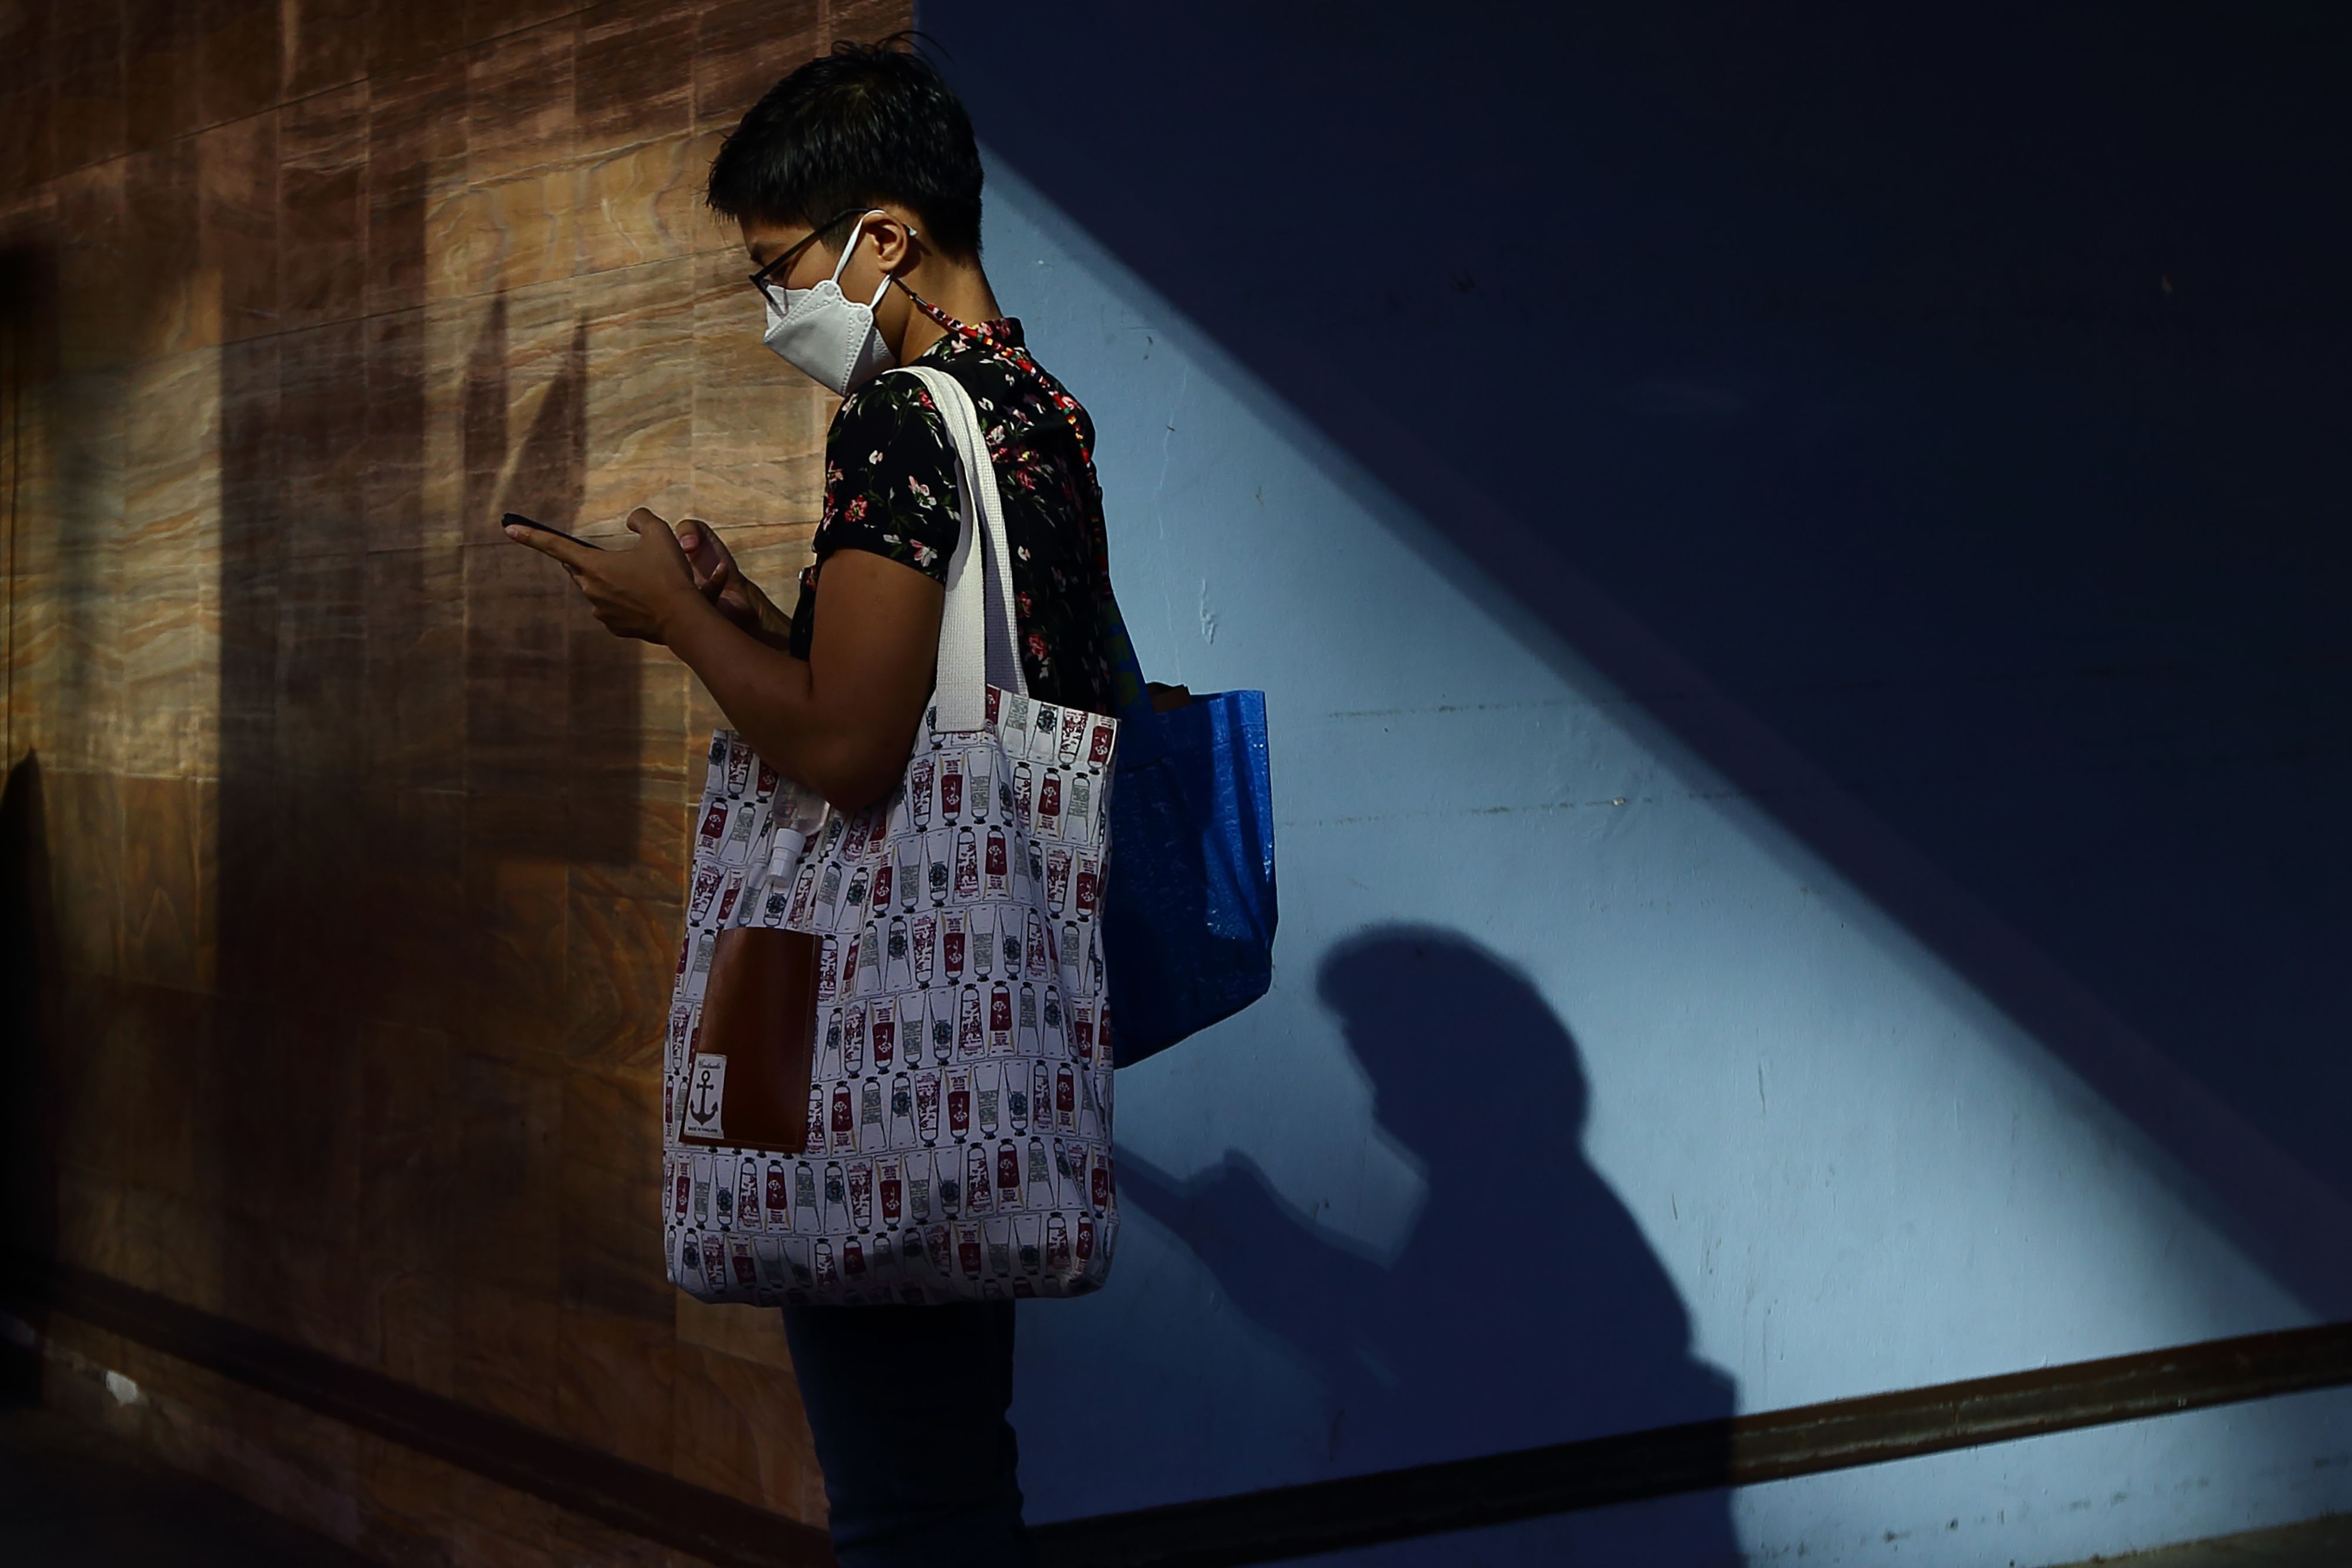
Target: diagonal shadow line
<point x="2264" y="1193"/>
<point x="2217" y="1161"/>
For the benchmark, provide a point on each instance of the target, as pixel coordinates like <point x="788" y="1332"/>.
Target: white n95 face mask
<point x="826" y="336"/>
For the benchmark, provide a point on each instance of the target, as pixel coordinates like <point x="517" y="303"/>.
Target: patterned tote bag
<point x="958" y="1141"/>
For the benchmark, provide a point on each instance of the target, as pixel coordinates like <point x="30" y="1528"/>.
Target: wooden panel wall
<point x="354" y="845"/>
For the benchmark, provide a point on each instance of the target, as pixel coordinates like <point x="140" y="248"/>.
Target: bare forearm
<point x="775" y="628"/>
<point x="845" y="736"/>
<point x="772" y="698"/>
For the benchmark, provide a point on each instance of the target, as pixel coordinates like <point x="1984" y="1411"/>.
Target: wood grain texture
<point x="365" y="844"/>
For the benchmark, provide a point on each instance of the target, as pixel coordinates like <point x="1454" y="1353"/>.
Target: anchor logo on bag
<point x="707" y="1096"/>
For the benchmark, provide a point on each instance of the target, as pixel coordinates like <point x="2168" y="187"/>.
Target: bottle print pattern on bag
<point x="957" y="963"/>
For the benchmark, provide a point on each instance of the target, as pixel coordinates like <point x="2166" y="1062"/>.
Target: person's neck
<point x="959" y="290"/>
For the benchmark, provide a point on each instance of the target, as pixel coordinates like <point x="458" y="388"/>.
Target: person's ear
<point x="894" y="241"/>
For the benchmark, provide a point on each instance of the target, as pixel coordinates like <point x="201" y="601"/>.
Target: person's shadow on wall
<point x="1525" y="1308"/>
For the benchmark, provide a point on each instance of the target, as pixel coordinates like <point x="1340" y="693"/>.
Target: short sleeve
<point x="889" y="478"/>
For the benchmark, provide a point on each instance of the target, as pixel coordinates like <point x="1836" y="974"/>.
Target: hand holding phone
<point x="634" y="593"/>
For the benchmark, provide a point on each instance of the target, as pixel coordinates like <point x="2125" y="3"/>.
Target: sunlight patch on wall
<point x="1855" y="1174"/>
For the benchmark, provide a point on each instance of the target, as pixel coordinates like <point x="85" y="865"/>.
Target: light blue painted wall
<point x="1855" y="1172"/>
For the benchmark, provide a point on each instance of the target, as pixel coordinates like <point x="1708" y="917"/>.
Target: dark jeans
<point x="907" y="1407"/>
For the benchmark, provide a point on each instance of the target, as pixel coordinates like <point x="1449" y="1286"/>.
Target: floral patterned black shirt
<point x="890" y="488"/>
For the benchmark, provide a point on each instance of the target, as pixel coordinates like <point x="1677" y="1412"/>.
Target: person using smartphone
<point x="856" y="181"/>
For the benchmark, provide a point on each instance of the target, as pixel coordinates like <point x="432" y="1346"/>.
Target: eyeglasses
<point x="775" y="270"/>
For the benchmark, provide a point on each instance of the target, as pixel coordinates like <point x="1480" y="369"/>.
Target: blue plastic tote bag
<point x="1189" y="915"/>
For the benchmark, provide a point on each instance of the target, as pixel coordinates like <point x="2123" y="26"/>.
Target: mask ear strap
<point x="848" y="247"/>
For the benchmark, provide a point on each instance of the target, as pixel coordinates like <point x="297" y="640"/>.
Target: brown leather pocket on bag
<point x="747" y="1083"/>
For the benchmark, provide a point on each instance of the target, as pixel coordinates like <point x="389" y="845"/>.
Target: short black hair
<point x="865" y="124"/>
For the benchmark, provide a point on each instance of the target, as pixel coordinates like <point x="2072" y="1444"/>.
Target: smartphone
<point x="516" y="520"/>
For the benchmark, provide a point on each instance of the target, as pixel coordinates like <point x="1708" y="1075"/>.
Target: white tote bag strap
<point x="976" y="647"/>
